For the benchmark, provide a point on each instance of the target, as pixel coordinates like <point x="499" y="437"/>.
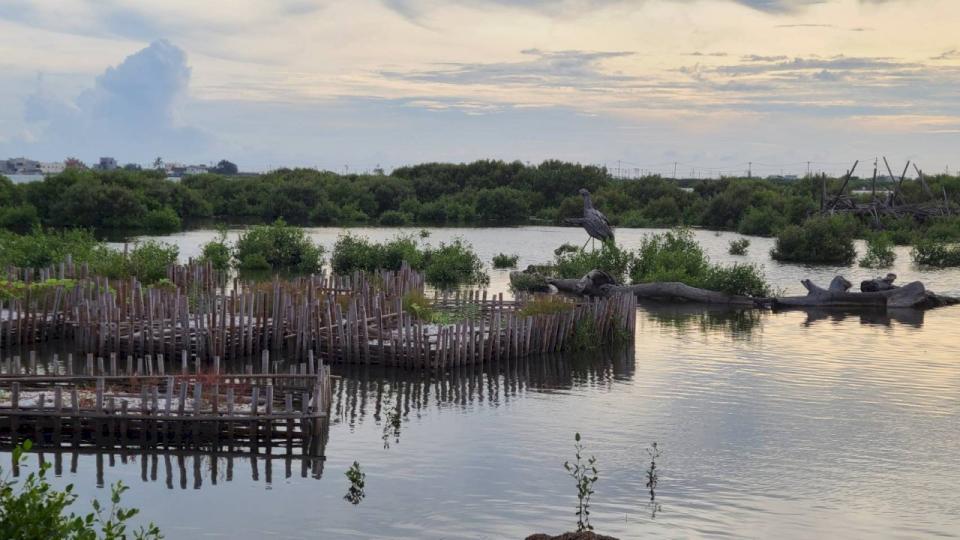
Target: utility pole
<point x="808" y="168"/>
<point x="674" y="170"/>
<point x="749" y="169"/>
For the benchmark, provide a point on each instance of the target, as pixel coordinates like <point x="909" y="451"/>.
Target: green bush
<point x="738" y="279"/>
<point x="280" y="247"/>
<point x="217" y="252"/>
<point x="739" y="246"/>
<point x="162" y="220"/>
<point x="670" y="256"/>
<point x="447" y="265"/>
<point x="822" y="240"/>
<point x="452" y="264"/>
<point x="395" y="218"/>
<point x="353" y="252"/>
<point x="502" y="260"/>
<point x="147" y="261"/>
<point x="945" y="229"/>
<point x="576" y="264"/>
<point x="676" y="256"/>
<point x="879" y="253"/>
<point x="42" y="248"/>
<point x="929" y="252"/>
<point x="34" y="510"/>
<point x="761" y="221"/>
<point x="20" y="219"/>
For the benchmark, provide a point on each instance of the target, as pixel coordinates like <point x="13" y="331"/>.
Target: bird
<point x="593" y="221"/>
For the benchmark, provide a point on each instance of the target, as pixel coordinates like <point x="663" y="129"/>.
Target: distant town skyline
<point x="719" y="86"/>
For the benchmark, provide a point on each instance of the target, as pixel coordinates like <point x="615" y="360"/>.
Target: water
<point x="793" y="424"/>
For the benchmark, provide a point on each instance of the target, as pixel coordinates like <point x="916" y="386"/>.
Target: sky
<point x="703" y="87"/>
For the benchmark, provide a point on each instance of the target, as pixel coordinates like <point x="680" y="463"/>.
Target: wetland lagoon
<point x="794" y="424"/>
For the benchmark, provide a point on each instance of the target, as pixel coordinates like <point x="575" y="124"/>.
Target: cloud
<point x="579" y="69"/>
<point x="130" y="110"/>
<point x="414" y="9"/>
<point x="947" y="55"/>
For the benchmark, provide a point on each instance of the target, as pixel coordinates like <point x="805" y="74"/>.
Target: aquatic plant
<point x="357" y="479"/>
<point x="653" y="476"/>
<point x="879" y="253"/>
<point x="502" y="260"/>
<point x="584" y="472"/>
<point x="34" y="509"/>
<point x="739" y="246"/>
<point x="935" y="253"/>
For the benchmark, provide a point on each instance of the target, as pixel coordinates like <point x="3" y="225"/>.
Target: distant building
<point x="20" y="165"/>
<point x="195" y="169"/>
<point x="107" y="164"/>
<point x="53" y="167"/>
<point x="74" y="163"/>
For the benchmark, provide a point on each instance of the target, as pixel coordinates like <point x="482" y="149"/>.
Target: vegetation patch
<point x="502" y="260"/>
<point x="739" y="246"/>
<point x="820" y="240"/>
<point x="879" y="253"/>
<point x="576" y="262"/>
<point x="545" y="305"/>
<point x="446" y="265"/>
<point x="277" y="247"/>
<point x="35" y="509"/>
<point x="936" y="253"/>
<point x="676" y="256"/>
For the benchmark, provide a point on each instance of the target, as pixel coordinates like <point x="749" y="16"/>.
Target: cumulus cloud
<point x="130" y="111"/>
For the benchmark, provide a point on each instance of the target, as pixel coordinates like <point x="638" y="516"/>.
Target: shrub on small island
<point x="676" y="256"/>
<point x="820" y="240"/>
<point x="502" y="260"/>
<point x="879" y="253"/>
<point x="935" y="253"/>
<point x="280" y="247"/>
<point x="739" y="246"/>
<point x="452" y="264"/>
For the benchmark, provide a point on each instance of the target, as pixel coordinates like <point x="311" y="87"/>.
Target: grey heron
<point x="593" y="221"/>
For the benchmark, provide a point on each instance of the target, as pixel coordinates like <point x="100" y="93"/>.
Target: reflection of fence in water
<point x="188" y="468"/>
<point x="109" y="411"/>
<point x="361" y="387"/>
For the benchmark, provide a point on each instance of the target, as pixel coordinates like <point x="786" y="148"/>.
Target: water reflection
<point x="738" y="323"/>
<point x="391" y="395"/>
<point x="868" y="317"/>
<point x="183" y="468"/>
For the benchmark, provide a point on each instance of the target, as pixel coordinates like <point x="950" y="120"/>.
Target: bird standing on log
<point x="593" y="221"/>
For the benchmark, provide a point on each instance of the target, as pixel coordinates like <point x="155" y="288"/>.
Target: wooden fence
<point x="360" y="318"/>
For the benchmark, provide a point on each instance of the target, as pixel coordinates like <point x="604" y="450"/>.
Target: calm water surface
<point x="794" y="425"/>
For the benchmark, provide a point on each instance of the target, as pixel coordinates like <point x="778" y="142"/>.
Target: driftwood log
<point x="912" y="295"/>
<point x="598" y="283"/>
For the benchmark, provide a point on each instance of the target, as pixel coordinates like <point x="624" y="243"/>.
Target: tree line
<point x="480" y="193"/>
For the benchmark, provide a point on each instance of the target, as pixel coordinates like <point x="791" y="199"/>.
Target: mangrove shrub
<point x="277" y="247"/>
<point x="821" y="240"/>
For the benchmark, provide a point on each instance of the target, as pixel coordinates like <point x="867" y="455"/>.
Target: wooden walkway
<point x="119" y="410"/>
